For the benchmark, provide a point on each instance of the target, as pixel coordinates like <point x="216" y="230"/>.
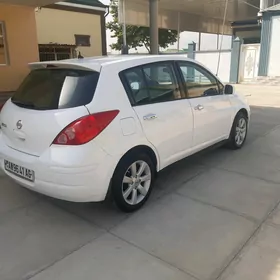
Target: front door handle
<point x="199" y="107"/>
<point x="150" y="117"/>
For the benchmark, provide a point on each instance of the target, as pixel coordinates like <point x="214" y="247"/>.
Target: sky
<point x="208" y="41"/>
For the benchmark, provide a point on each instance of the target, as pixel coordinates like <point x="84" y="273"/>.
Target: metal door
<point x="249" y="62"/>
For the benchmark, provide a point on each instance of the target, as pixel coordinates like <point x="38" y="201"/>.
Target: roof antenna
<point x="80" y="56"/>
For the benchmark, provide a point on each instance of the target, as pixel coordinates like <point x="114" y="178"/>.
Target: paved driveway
<point x="213" y="216"/>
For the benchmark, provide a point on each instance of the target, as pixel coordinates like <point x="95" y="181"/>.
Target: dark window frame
<point x="82" y="36"/>
<point x="5" y="45"/>
<point x="200" y="69"/>
<point x="141" y="67"/>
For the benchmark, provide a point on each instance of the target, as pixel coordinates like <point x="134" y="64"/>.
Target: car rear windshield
<point x="49" y="89"/>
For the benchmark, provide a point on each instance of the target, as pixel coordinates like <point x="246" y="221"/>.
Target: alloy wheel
<point x="136" y="182"/>
<point x="241" y="130"/>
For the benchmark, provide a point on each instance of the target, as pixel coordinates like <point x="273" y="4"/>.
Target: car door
<point x="166" y="117"/>
<point x="212" y="109"/>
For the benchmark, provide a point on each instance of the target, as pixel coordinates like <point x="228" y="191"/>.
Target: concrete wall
<point x="210" y="60"/>
<point x="21" y="42"/>
<point x="274" y="53"/>
<point x="59" y="26"/>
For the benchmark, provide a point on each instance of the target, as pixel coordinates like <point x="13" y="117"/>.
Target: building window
<point x="82" y="40"/>
<point x="50" y="52"/>
<point x="3" y="45"/>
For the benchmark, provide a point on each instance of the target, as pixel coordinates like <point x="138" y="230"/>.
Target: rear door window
<point x="50" y="89"/>
<point x="162" y="82"/>
<point x="151" y="83"/>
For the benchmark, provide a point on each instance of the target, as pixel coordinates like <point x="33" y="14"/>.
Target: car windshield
<point x="56" y="88"/>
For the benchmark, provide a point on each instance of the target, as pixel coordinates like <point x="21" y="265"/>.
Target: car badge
<point x="19" y="124"/>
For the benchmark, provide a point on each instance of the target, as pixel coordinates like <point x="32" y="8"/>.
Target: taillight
<point x="85" y="129"/>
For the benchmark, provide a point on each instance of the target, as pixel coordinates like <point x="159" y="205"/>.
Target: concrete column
<point x="178" y="31"/>
<point x="124" y="46"/>
<point x="153" y="8"/>
<point x="124" y="49"/>
<point x="234" y="63"/>
<point x="265" y="45"/>
<point x="263" y="5"/>
<point x="191" y="55"/>
<point x="191" y="50"/>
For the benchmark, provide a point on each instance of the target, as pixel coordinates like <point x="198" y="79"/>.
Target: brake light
<point x="83" y="130"/>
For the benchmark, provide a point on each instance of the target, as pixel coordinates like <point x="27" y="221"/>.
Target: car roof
<point x="95" y="63"/>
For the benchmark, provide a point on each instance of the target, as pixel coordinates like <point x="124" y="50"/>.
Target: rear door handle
<point x="150" y="117"/>
<point x="199" y="107"/>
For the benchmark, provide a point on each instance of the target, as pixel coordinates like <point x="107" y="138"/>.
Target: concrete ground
<point x="213" y="216"/>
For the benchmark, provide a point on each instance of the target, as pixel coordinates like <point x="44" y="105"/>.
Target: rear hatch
<point x="47" y="101"/>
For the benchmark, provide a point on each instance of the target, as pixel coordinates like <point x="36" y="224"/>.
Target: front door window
<point x="198" y="82"/>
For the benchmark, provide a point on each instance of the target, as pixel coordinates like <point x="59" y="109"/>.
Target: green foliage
<point x="136" y="36"/>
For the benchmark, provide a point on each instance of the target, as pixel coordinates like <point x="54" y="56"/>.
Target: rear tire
<point x="238" y="132"/>
<point x="132" y="181"/>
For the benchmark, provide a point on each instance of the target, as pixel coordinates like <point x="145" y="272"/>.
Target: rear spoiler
<point x="57" y="64"/>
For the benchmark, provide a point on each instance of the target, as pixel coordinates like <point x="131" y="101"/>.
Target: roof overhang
<point x="32" y="3"/>
<point x="273" y="8"/>
<point x="191" y="15"/>
<point x="79" y="6"/>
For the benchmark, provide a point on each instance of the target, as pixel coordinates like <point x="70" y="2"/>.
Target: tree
<point x="136" y="36"/>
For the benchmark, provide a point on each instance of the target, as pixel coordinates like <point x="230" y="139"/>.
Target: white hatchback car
<point x="80" y="129"/>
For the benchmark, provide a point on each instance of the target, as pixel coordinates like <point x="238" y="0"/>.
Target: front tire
<point x="238" y="132"/>
<point x="132" y="182"/>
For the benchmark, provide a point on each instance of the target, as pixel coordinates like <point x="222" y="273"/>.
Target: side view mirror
<point x="229" y="89"/>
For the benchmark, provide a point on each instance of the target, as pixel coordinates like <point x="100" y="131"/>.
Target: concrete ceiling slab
<point x="191" y="15"/>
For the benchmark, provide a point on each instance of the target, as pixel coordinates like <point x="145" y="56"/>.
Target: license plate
<point x="19" y="170"/>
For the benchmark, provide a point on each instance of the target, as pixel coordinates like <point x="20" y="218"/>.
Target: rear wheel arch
<point x="140" y="149"/>
<point x="115" y="191"/>
<point x="143" y="149"/>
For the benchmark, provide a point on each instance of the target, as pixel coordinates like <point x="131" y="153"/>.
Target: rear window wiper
<point x="30" y="105"/>
<point x="25" y="104"/>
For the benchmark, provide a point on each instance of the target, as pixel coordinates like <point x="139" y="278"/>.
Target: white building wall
<point x="210" y="60"/>
<point x="274" y="54"/>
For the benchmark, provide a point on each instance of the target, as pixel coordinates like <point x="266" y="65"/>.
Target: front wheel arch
<point x="244" y="111"/>
<point x="231" y="142"/>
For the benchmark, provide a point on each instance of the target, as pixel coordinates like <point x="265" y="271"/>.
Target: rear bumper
<point x="72" y="178"/>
